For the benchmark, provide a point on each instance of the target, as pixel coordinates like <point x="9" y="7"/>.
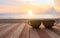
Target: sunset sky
<point x="23" y="6"/>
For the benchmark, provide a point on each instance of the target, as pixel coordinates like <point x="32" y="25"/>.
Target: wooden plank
<point x="17" y="33"/>
<point x="4" y="33"/>
<point x="52" y="34"/>
<point x="4" y="27"/>
<point x="33" y="33"/>
<point x="25" y="32"/>
<point x="42" y="33"/>
<point x="12" y="31"/>
<point x="56" y="29"/>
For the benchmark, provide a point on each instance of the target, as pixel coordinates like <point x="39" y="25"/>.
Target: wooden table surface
<point x="24" y="30"/>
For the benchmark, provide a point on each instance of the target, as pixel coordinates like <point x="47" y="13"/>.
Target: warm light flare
<point x="30" y="13"/>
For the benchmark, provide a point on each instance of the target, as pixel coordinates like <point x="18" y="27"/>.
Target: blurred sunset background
<point x="19" y="7"/>
<point x="22" y="6"/>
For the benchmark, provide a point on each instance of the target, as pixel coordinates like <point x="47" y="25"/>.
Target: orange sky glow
<point x="24" y="7"/>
